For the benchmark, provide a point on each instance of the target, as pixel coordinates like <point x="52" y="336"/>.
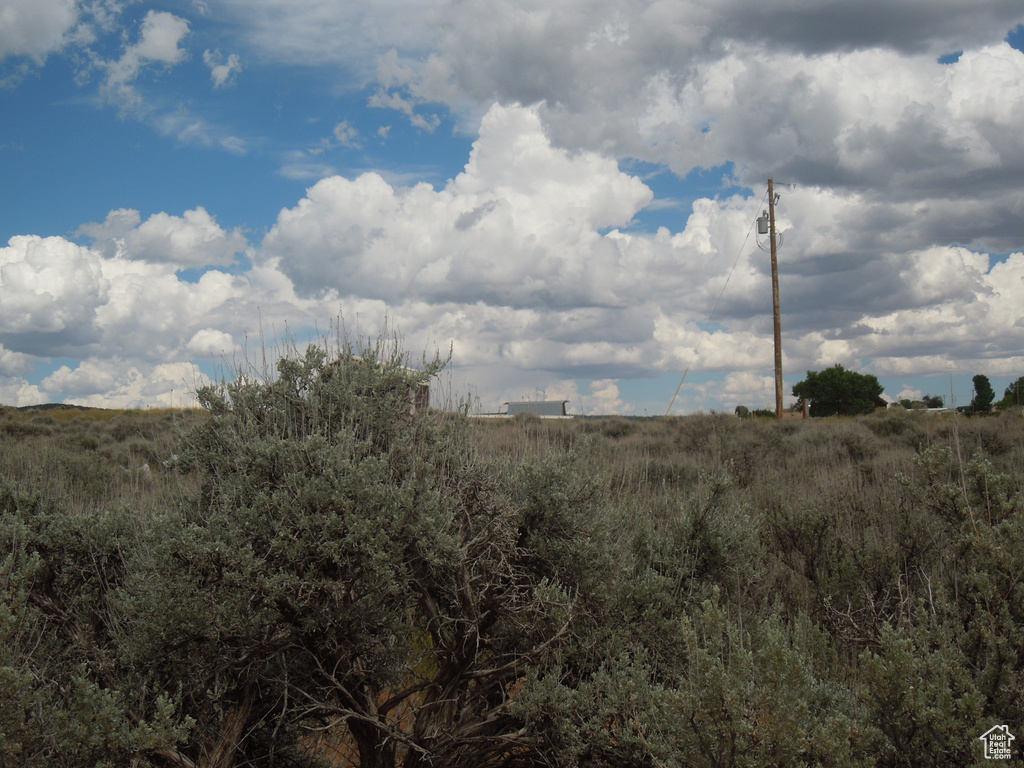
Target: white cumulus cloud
<point x="544" y="205"/>
<point x="191" y="240"/>
<point x="211" y="342"/>
<point x="14" y="363"/>
<point x="50" y="291"/>
<point x="116" y="383"/>
<point x="222" y="71"/>
<point x="35" y="28"/>
<point x="159" y="42"/>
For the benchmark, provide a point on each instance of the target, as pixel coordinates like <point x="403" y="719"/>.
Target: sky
<point x="561" y="195"/>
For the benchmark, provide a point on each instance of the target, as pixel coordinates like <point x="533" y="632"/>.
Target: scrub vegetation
<point x="305" y="573"/>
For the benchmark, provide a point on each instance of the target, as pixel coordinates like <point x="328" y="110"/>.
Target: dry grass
<point x="97" y="458"/>
<point x="815" y="508"/>
<point x="645" y="467"/>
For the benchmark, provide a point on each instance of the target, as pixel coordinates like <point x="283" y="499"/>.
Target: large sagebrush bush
<point x="350" y="584"/>
<point x="350" y="580"/>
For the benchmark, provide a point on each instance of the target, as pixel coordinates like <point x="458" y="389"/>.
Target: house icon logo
<point x="997" y="742"/>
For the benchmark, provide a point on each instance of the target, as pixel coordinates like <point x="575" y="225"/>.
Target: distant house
<point x="546" y="409"/>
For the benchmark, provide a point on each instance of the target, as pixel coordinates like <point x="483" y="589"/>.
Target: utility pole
<point x="775" y="300"/>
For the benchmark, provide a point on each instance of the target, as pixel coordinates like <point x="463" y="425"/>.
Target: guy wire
<point x="714" y="309"/>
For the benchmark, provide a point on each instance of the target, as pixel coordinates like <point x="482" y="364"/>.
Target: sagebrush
<point x="308" y="573"/>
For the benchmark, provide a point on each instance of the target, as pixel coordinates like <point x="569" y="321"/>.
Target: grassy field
<point x="648" y="467"/>
<point x="847" y="520"/>
<point x="844" y="592"/>
<point x="95" y="458"/>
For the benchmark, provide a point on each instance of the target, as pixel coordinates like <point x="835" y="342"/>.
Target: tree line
<point x="837" y="391"/>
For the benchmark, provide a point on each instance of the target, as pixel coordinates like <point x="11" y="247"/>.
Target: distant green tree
<point x="1013" y="395"/>
<point x="983" y="394"/>
<point x="839" y="392"/>
<point x="742" y="411"/>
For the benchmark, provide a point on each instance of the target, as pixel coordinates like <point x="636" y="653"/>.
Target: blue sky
<point x="560" y="193"/>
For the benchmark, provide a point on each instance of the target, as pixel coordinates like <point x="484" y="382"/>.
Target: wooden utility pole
<point x="775" y="300"/>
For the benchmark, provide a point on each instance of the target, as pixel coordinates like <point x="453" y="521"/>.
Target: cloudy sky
<point x="563" y="193"/>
